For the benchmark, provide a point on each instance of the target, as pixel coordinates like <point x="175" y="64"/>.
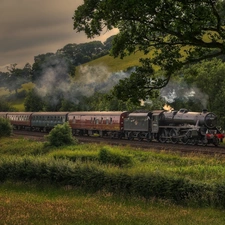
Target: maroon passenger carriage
<point x="20" y="120"/>
<point x="109" y="123"/>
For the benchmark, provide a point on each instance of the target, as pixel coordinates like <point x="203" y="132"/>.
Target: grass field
<point x="35" y="202"/>
<point x="27" y="204"/>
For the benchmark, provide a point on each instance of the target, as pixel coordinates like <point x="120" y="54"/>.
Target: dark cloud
<point x="32" y="27"/>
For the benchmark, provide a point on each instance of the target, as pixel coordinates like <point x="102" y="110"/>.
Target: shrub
<point x="115" y="158"/>
<point x="60" y="135"/>
<point x="5" y="127"/>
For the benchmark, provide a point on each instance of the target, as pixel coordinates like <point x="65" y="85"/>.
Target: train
<point x="173" y="126"/>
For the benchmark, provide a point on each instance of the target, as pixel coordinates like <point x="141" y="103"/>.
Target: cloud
<point x="32" y="27"/>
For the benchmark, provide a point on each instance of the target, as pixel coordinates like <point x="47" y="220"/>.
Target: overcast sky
<point x="33" y="27"/>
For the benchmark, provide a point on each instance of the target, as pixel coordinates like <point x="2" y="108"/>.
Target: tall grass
<point x="31" y="204"/>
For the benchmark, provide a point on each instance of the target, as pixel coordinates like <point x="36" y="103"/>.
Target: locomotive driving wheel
<point x="130" y="136"/>
<point x="185" y="139"/>
<point x="173" y="136"/>
<point x="194" y="141"/>
<point x="140" y="137"/>
<point x="216" y="141"/>
<point x="163" y="136"/>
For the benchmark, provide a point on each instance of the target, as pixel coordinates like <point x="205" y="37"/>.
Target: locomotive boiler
<point x="183" y="116"/>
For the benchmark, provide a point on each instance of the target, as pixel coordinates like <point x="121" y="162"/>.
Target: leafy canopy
<point x="175" y="32"/>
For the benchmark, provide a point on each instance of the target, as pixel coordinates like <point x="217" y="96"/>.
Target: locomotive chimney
<point x="204" y="111"/>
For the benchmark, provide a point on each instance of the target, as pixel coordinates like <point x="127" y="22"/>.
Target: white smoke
<point x="177" y="89"/>
<point x="91" y="79"/>
<point x="98" y="79"/>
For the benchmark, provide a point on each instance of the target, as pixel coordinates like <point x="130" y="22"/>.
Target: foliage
<point x="60" y="135"/>
<point x="116" y="158"/>
<point x="188" y="179"/>
<point x="92" y="178"/>
<point x="176" y="32"/>
<point x="22" y="146"/>
<point x="70" y="55"/>
<point x="5" y="106"/>
<point x="84" y="52"/>
<point x="15" y="77"/>
<point x="5" y="127"/>
<point x="208" y="77"/>
<point x="33" y="102"/>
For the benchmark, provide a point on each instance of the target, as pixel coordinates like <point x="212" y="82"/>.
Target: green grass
<point x="18" y="105"/>
<point x="32" y="204"/>
<point x="195" y="167"/>
<point x="117" y="64"/>
<point x="112" y="64"/>
<point x="37" y="203"/>
<point x="27" y="86"/>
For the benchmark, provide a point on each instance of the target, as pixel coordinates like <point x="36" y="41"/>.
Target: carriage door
<point x="155" y="123"/>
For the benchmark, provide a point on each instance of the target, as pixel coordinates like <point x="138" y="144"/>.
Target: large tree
<point x="175" y="32"/>
<point x="15" y="77"/>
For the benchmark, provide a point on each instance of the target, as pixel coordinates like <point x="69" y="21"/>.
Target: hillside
<point x="113" y="64"/>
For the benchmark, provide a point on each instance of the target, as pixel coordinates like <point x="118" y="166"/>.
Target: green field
<point x="101" y="184"/>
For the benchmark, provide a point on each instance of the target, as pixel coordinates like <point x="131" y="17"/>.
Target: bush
<point x="5" y="127"/>
<point x="60" y="135"/>
<point x="106" y="156"/>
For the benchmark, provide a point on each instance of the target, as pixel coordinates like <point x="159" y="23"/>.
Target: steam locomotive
<point x="161" y="125"/>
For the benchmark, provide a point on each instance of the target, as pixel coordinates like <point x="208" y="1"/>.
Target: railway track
<point x="210" y="149"/>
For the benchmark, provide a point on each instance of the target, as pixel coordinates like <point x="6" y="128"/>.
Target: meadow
<point x="101" y="184"/>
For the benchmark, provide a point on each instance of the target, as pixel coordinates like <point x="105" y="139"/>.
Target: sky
<point x="32" y="27"/>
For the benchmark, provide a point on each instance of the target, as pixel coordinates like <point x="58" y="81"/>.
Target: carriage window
<point x="111" y="121"/>
<point x="102" y="120"/>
